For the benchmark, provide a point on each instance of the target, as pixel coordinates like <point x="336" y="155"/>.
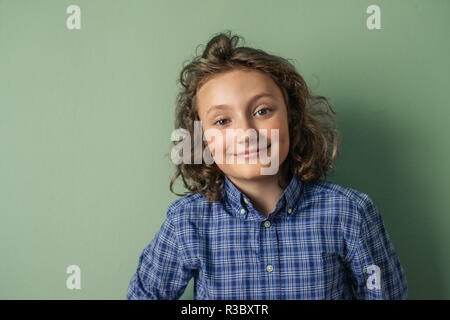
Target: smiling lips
<point x="248" y="153"/>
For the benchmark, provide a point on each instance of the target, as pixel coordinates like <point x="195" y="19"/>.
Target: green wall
<point x="86" y="117"/>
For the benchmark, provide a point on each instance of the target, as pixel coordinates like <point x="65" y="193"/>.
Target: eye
<point x="219" y="121"/>
<point x="263" y="109"/>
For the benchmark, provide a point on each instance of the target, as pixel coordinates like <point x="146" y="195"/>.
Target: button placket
<point x="271" y="252"/>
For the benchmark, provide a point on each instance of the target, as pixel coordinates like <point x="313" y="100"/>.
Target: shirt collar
<point x="240" y="206"/>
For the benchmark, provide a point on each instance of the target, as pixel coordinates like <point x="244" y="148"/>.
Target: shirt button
<point x="269" y="268"/>
<point x="267" y="224"/>
<point x="289" y="210"/>
<point x="245" y="200"/>
<point x="242" y="210"/>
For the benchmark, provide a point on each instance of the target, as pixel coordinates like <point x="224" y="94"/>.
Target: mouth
<point x="251" y="153"/>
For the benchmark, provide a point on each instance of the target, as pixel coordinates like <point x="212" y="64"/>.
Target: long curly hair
<point x="313" y="132"/>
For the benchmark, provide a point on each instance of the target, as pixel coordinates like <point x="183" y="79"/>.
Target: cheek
<point x="284" y="143"/>
<point x="283" y="140"/>
<point x="216" y="143"/>
<point x="283" y="135"/>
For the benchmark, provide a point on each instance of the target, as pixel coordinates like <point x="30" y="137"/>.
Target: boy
<point x="246" y="235"/>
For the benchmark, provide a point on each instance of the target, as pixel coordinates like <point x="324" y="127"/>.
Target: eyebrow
<point x="252" y="100"/>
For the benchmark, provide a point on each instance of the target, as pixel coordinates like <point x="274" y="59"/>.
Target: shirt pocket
<point x="334" y="276"/>
<point x="330" y="262"/>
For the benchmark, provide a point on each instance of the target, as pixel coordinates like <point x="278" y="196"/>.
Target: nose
<point x="248" y="132"/>
<point x="245" y="124"/>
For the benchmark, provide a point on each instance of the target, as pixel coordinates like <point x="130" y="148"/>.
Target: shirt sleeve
<point x="374" y="266"/>
<point x="161" y="273"/>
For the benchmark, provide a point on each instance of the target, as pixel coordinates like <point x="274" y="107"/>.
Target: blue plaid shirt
<point x="322" y="241"/>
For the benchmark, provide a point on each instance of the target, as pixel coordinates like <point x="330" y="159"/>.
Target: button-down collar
<point x="240" y="206"/>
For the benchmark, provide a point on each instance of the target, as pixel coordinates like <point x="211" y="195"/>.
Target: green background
<point x="86" y="117"/>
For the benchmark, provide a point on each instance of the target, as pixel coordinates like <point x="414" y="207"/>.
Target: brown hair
<point x="312" y="132"/>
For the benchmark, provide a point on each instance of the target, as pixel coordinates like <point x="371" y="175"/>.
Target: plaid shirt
<point x="322" y="241"/>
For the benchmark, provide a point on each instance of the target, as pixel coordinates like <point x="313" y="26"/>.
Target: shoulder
<point x="352" y="210"/>
<point x="184" y="202"/>
<point x="349" y="204"/>
<point x="331" y="191"/>
<point x="191" y="206"/>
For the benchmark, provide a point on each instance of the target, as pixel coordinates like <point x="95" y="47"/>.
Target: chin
<point x="247" y="171"/>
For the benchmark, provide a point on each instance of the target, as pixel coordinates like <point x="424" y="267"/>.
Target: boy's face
<point x="234" y="90"/>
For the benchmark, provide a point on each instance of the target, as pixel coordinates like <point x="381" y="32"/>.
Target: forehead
<point x="234" y="87"/>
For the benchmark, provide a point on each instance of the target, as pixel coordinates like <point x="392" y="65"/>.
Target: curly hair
<point x="313" y="132"/>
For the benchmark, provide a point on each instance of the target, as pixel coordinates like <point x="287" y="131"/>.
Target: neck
<point x="263" y="191"/>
